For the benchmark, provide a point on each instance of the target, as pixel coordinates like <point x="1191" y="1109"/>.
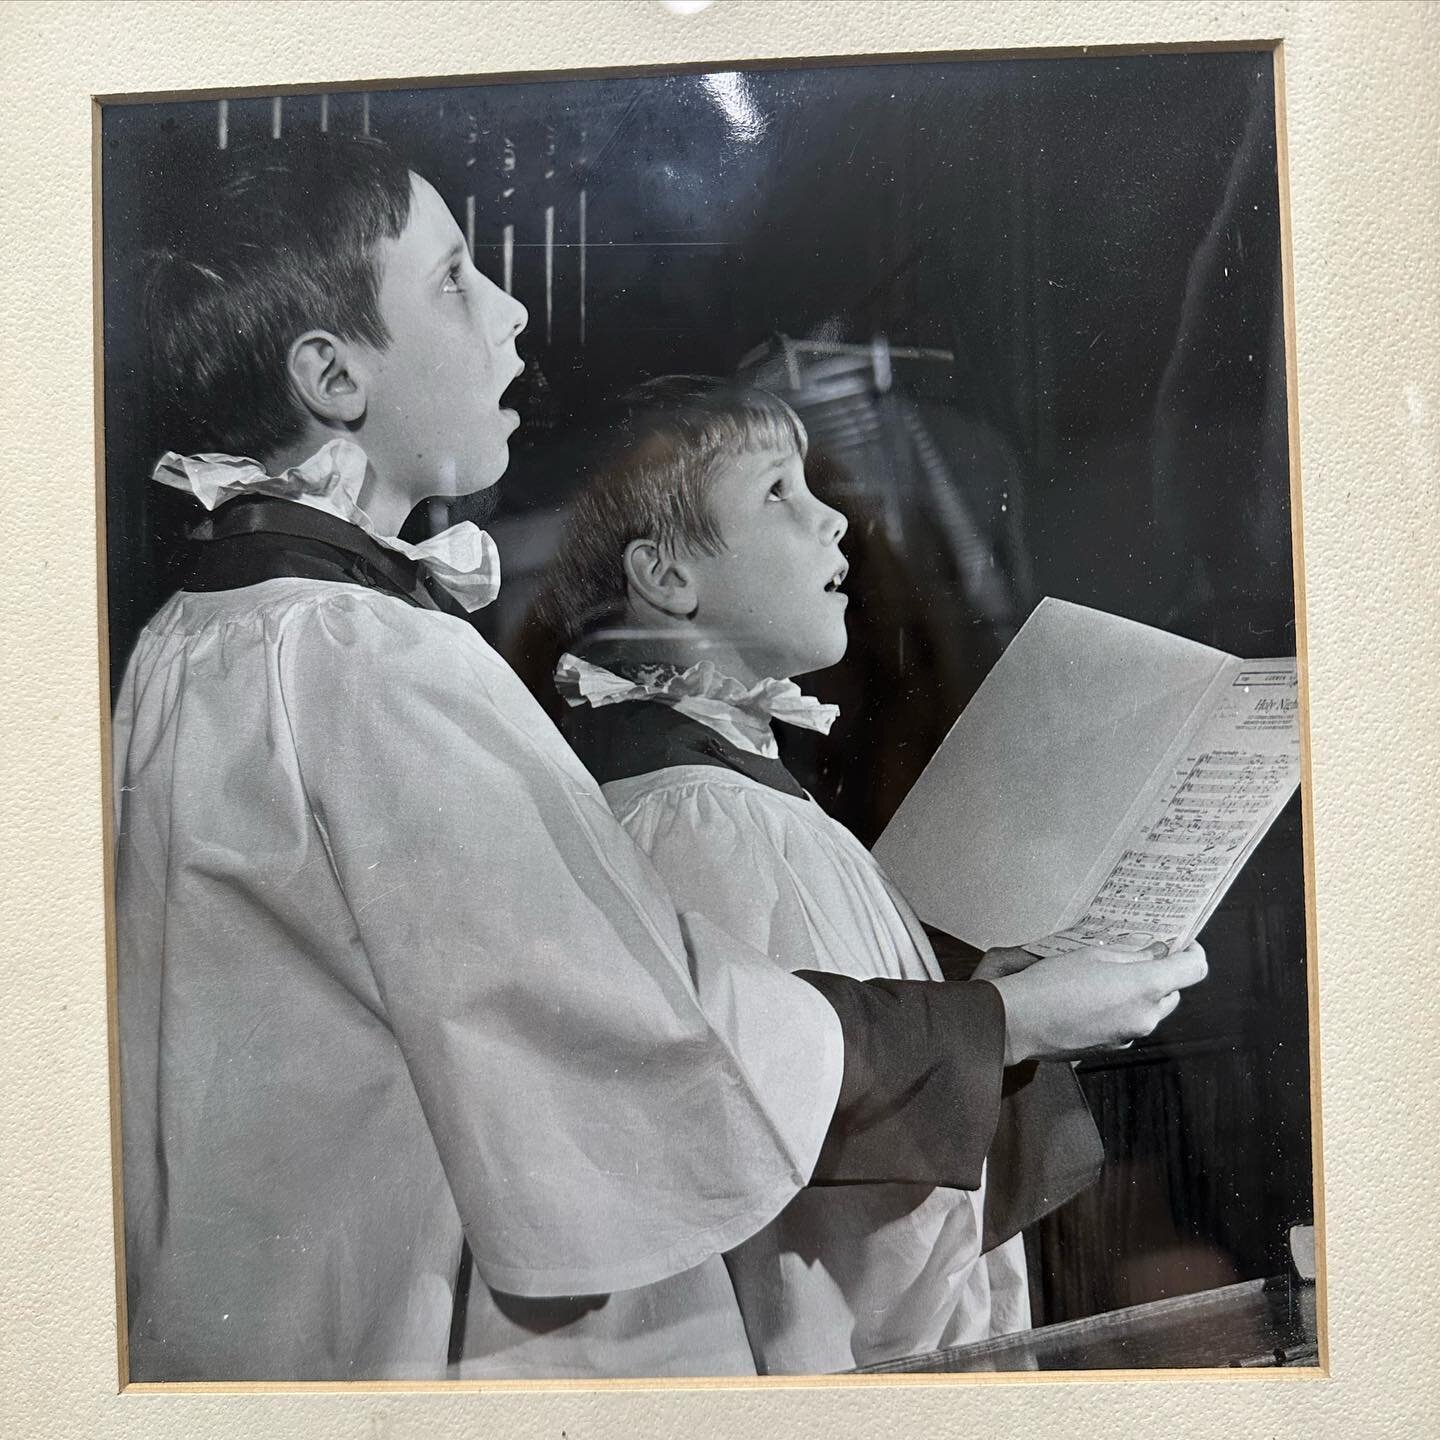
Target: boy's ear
<point x="324" y="379"/>
<point x="660" y="579"/>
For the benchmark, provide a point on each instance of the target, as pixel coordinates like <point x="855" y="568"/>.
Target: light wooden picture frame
<point x="1312" y="45"/>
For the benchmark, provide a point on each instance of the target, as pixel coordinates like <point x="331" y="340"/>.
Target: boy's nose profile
<point x="518" y="316"/>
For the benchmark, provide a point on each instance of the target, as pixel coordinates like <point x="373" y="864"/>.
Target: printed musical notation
<point x="1117" y="778"/>
<point x="1219" y="798"/>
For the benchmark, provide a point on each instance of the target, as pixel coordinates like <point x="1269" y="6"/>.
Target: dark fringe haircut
<point x="657" y="459"/>
<point x="282" y="241"/>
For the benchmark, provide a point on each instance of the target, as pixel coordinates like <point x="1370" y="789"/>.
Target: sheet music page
<point x="1220" y="797"/>
<point x="1020" y="813"/>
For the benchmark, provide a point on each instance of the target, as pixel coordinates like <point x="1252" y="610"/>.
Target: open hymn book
<point x="1103" y="787"/>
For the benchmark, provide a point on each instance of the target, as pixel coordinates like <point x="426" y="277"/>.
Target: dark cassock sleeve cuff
<point x="1046" y="1148"/>
<point x="920" y="1098"/>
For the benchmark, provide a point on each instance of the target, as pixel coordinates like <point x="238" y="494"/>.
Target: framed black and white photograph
<point x="716" y="718"/>
<point x="767" y="933"/>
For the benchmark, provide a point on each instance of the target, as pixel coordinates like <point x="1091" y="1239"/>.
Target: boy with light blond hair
<point x="698" y="577"/>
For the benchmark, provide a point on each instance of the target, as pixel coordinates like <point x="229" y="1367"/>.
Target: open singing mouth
<point x="837" y="579"/>
<point x="514" y="396"/>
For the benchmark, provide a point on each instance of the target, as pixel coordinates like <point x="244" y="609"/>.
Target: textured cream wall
<point x="1365" y="186"/>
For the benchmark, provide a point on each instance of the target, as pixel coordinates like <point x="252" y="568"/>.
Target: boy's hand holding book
<point x="1095" y="998"/>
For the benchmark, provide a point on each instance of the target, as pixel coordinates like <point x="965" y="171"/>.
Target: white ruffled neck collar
<point x="462" y="560"/>
<point x="738" y="714"/>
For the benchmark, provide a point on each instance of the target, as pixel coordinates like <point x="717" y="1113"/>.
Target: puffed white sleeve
<point x="605" y="1108"/>
<point x="732" y="852"/>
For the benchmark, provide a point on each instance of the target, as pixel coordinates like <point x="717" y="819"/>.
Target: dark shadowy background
<point x="1030" y="311"/>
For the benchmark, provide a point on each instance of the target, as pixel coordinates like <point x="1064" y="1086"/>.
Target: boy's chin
<point x="482" y="478"/>
<point x="475" y="467"/>
<point x="476" y="491"/>
<point x="822" y="658"/>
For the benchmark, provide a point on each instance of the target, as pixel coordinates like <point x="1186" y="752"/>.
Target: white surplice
<point x="387" y="965"/>
<point x="851" y="1274"/>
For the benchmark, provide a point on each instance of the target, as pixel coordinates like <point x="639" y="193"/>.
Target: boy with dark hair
<point x="221" y="325"/>
<point x="390" y="976"/>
